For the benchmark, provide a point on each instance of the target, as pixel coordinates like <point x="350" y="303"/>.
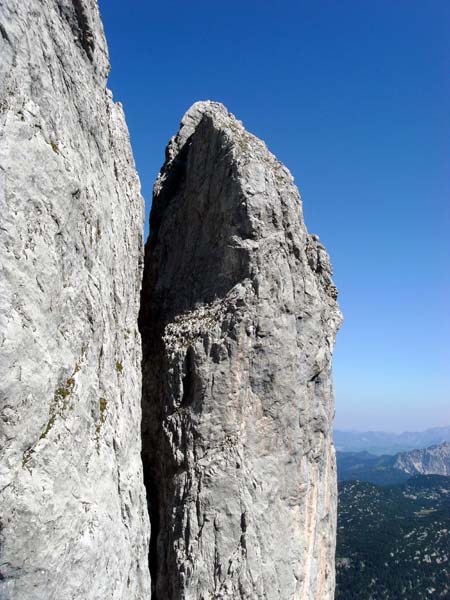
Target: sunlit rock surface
<point x="238" y="319"/>
<point x="72" y="505"/>
<point x="434" y="460"/>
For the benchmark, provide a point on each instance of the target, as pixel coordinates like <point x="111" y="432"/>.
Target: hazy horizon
<point x="353" y="98"/>
<point x="398" y="432"/>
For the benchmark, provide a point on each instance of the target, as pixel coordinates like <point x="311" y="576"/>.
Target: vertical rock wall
<point x="73" y="520"/>
<point x="238" y="320"/>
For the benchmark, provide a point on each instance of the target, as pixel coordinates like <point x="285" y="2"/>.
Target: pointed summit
<point x="238" y="320"/>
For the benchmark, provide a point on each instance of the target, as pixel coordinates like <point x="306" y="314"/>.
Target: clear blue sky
<point x="354" y="98"/>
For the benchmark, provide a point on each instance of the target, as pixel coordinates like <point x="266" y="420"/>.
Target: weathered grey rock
<point x="434" y="460"/>
<point x="238" y="319"/>
<point x="72" y="504"/>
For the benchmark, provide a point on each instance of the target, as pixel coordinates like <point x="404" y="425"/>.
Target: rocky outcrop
<point x="429" y="461"/>
<point x="238" y="320"/>
<point x="72" y="505"/>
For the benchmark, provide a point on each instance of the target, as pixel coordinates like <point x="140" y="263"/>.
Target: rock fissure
<point x="85" y="31"/>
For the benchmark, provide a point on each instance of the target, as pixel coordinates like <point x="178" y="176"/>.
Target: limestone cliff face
<point x="238" y="319"/>
<point x="72" y="504"/>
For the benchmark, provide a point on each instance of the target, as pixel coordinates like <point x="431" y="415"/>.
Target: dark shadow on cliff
<point x="192" y="257"/>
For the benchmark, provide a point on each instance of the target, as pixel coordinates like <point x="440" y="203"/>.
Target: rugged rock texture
<point x="73" y="512"/>
<point x="238" y="320"/>
<point x="429" y="461"/>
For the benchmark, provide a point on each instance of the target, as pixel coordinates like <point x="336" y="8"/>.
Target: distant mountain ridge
<point x="389" y="470"/>
<point x="381" y="442"/>
<point x="362" y="466"/>
<point x="429" y="461"/>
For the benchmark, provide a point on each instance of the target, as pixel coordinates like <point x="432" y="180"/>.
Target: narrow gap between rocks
<point x="153" y="512"/>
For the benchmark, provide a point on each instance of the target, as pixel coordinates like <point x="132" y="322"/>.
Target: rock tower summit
<point x="238" y="321"/>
